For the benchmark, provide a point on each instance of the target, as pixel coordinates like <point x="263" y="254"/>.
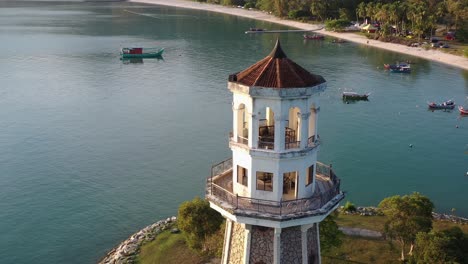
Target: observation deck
<point x="327" y="195"/>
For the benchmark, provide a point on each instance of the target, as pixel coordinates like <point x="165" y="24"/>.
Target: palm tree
<point x="370" y="10"/>
<point x="319" y="9"/>
<point x="361" y="10"/>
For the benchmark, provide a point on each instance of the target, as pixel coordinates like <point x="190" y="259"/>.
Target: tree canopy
<point x="198" y="221"/>
<point x="330" y="235"/>
<point x="447" y="246"/>
<point x="400" y="17"/>
<point x="407" y="216"/>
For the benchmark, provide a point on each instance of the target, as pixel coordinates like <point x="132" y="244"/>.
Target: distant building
<point x="273" y="192"/>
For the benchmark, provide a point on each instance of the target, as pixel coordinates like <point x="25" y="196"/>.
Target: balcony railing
<point x="292" y="144"/>
<point x="242" y="140"/>
<point x="240" y="205"/>
<point x="312" y="141"/>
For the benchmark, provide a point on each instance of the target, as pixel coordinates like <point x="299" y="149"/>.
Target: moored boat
<point x="314" y="37"/>
<point x="355" y="96"/>
<point x="130" y="53"/>
<point x="445" y="105"/>
<point x="402" y="68"/>
<point x="462" y="110"/>
<point x="396" y="66"/>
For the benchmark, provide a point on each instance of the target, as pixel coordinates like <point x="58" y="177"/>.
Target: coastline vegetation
<point x="402" y="21"/>
<point x="410" y="235"/>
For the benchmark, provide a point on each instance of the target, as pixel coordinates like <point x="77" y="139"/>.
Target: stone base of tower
<point x="249" y="244"/>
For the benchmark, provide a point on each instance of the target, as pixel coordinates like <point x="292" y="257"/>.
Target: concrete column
<point x="227" y="242"/>
<point x="253" y="131"/>
<point x="317" y="110"/>
<point x="313" y="122"/>
<point x="318" y="244"/>
<point x="235" y="122"/>
<point x="304" y="129"/>
<point x="277" y="246"/>
<point x="280" y="130"/>
<point x="248" y="235"/>
<point x="305" y="254"/>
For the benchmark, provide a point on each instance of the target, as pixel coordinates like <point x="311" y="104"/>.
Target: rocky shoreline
<point x="127" y="251"/>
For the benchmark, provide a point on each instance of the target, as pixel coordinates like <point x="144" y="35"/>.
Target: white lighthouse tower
<point x="273" y="192"/>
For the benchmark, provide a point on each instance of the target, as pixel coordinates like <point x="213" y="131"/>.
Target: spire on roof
<point x="277" y="52"/>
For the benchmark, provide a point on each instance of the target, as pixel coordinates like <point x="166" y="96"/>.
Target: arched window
<point x="293" y="131"/>
<point x="266" y="129"/>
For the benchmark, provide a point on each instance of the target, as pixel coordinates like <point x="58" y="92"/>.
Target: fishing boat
<point x="314" y="37"/>
<point x="445" y="105"/>
<point x="355" y="96"/>
<point x="402" y="68"/>
<point x="394" y="66"/>
<point x="130" y="53"/>
<point x="398" y="67"/>
<point x="462" y="110"/>
<point x="255" y="30"/>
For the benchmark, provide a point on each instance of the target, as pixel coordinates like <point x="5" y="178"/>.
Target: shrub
<point x="336" y="24"/>
<point x="296" y="14"/>
<point x="198" y="221"/>
<point x="249" y="5"/>
<point x="349" y="207"/>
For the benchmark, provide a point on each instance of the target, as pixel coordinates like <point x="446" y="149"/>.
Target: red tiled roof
<point x="277" y="71"/>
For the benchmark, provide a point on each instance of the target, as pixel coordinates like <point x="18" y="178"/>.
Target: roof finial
<point x="277" y="52"/>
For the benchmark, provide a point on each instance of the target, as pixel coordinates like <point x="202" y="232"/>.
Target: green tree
<point x="318" y="8"/>
<point x="448" y="246"/>
<point x="370" y="10"/>
<point x="407" y="216"/>
<point x="198" y="221"/>
<point x="330" y="235"/>
<point x="361" y="11"/>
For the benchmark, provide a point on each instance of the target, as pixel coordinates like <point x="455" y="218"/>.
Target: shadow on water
<point x="139" y="60"/>
<point x="345" y="101"/>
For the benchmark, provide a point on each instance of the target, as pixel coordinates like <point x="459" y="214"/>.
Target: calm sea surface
<point x="93" y="149"/>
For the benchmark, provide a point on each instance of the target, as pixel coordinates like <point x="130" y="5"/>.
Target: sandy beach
<point x="431" y="54"/>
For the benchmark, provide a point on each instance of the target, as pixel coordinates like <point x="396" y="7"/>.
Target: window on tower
<point x="242" y="175"/>
<point x="264" y="181"/>
<point x="310" y="175"/>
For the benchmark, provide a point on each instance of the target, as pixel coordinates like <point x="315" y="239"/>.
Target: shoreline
<point x="431" y="54"/>
<point x="127" y="250"/>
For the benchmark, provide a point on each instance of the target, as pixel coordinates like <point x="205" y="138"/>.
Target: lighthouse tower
<point x="273" y="192"/>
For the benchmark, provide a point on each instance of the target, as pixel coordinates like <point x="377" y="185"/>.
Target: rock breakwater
<point x="127" y="251"/>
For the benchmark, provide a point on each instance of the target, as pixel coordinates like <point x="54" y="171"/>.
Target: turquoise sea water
<point x="93" y="149"/>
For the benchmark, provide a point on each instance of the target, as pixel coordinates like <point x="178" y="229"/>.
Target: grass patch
<point x="169" y="249"/>
<point x="375" y="223"/>
<point x="441" y="225"/>
<point x="363" y="250"/>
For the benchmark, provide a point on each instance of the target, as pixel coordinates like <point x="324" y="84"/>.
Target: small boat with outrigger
<point x="355" y="96"/>
<point x="133" y="53"/>
<point x="447" y="105"/>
